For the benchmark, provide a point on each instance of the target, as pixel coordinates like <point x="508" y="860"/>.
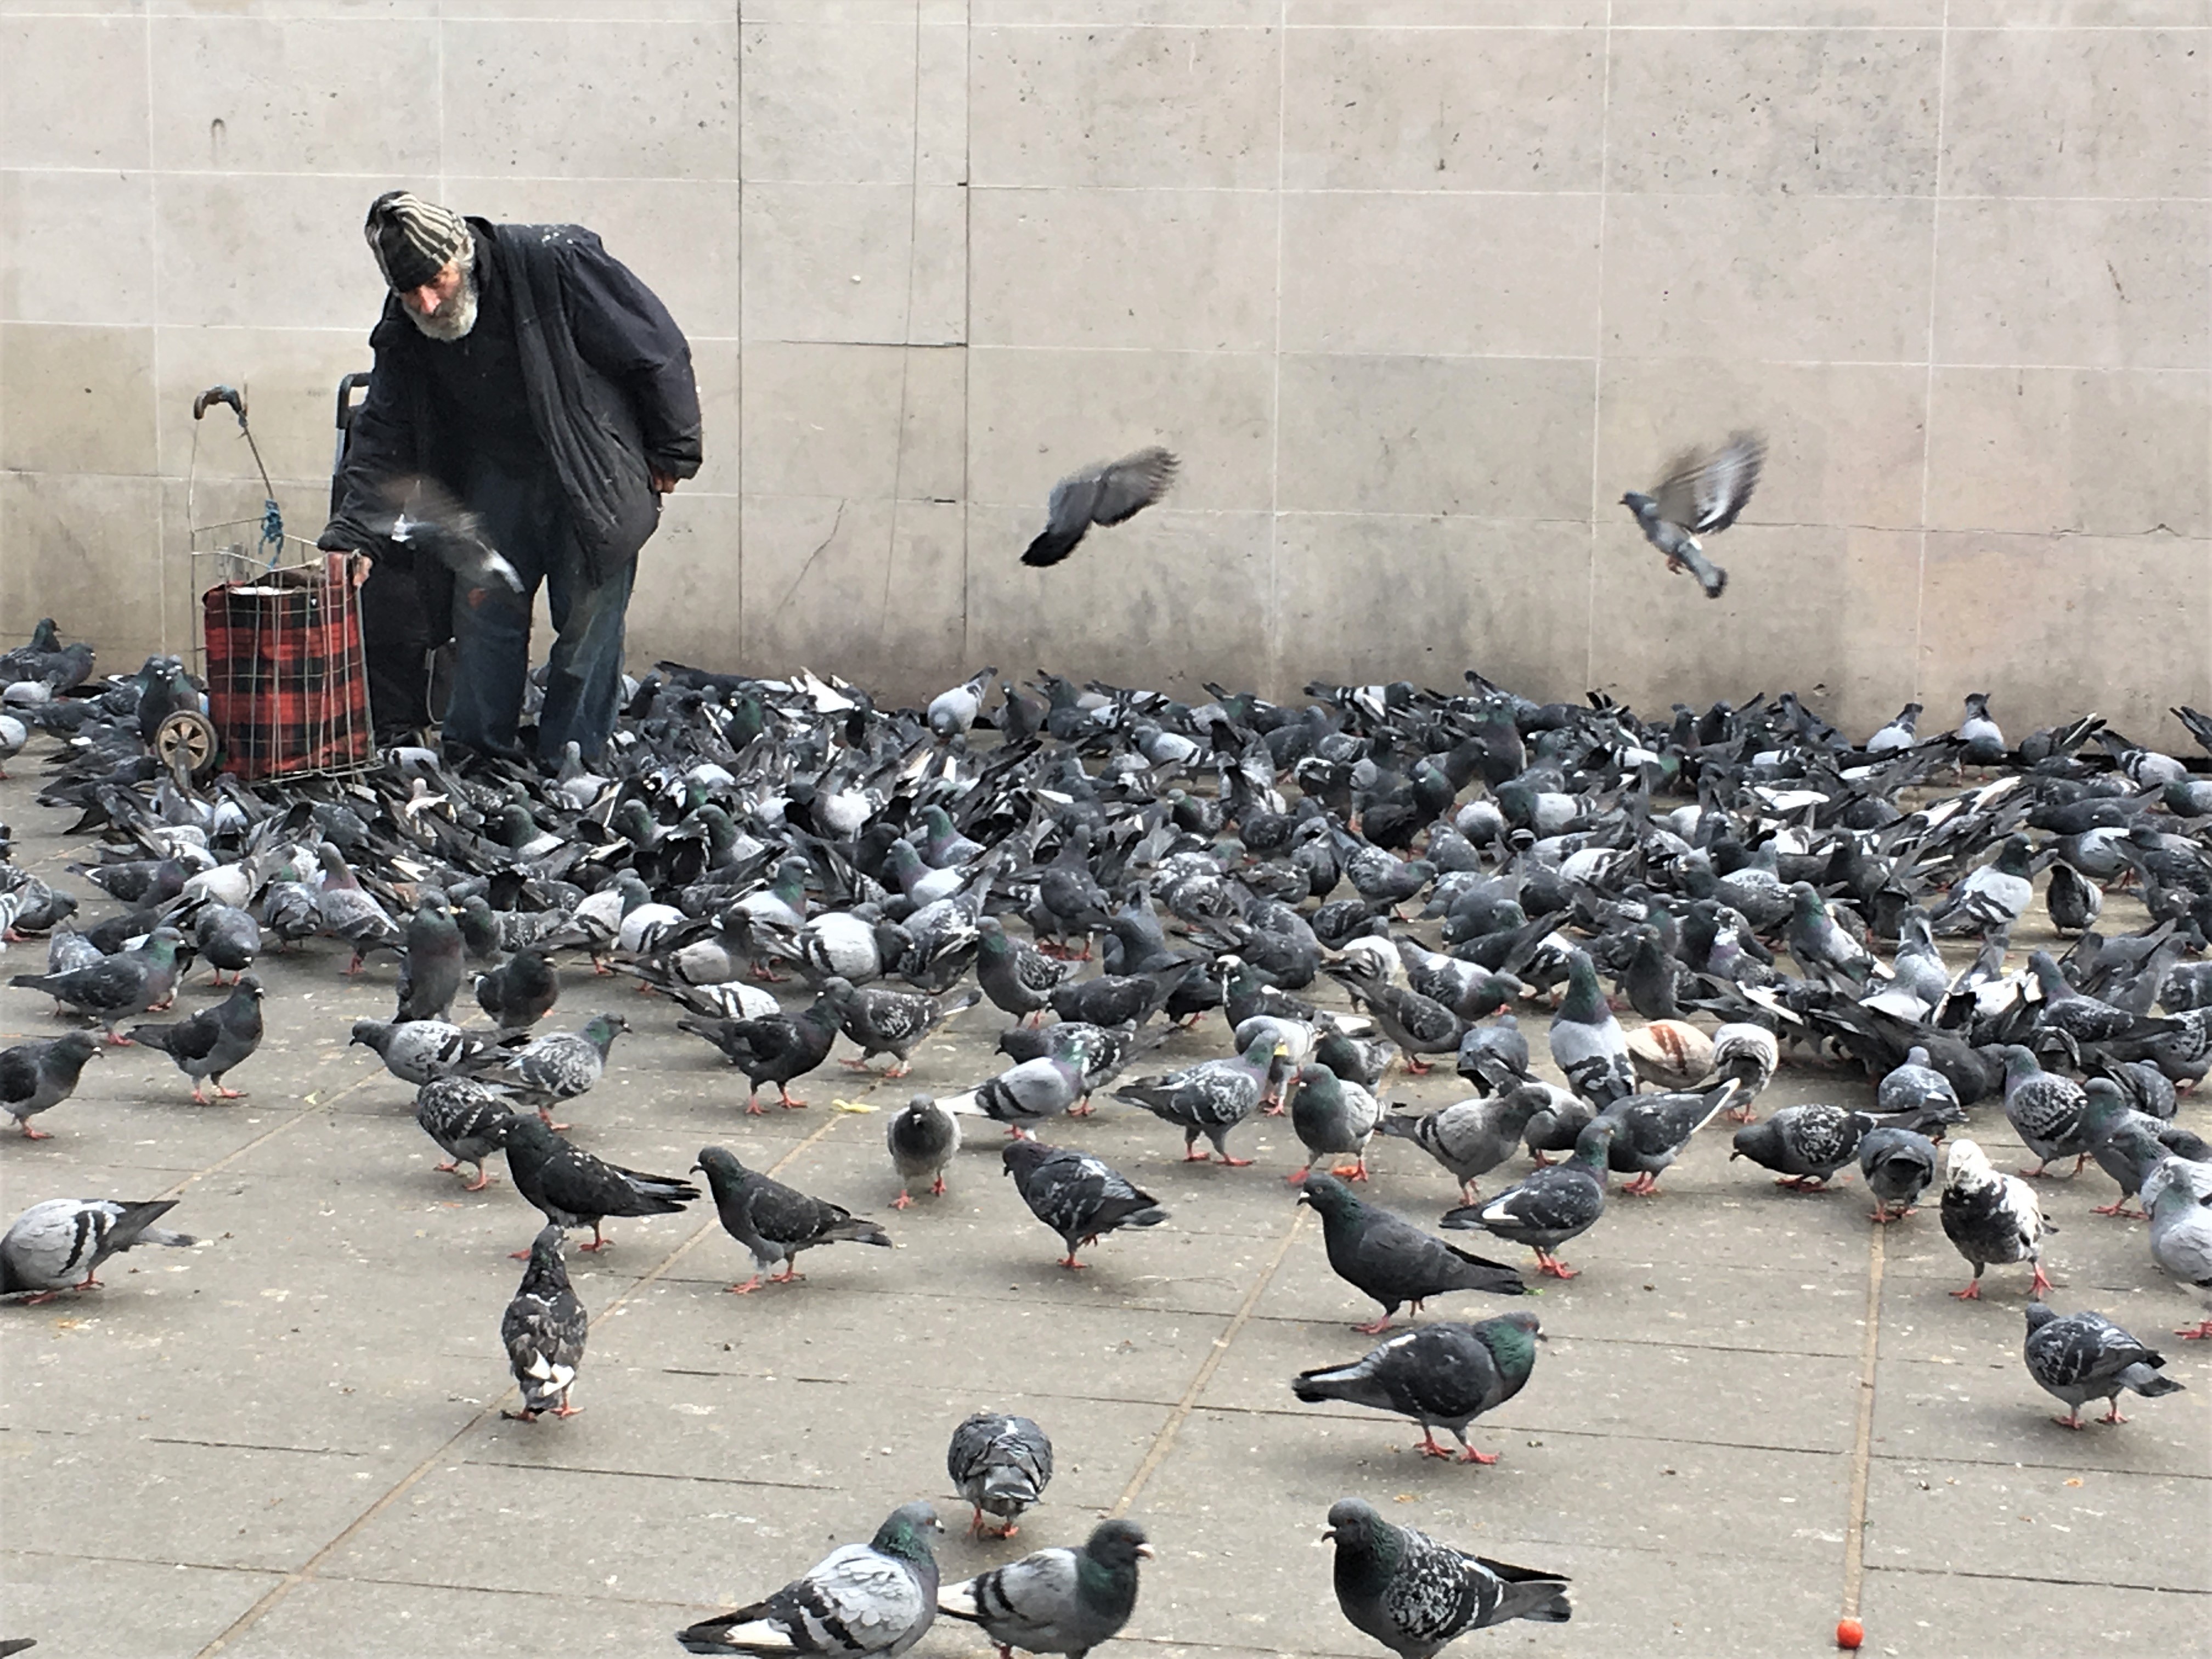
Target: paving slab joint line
<point x="1164" y="1441"/>
<point x="308" y="1109"/>
<point x="308" y="1569"/>
<point x="1862" y="1441"/>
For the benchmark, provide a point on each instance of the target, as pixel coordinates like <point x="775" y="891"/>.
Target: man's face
<point x="444" y="308"/>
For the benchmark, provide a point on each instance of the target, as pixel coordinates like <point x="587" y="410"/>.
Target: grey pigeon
<point x="2045" y="1109"/>
<point x="1077" y="1195"/>
<point x="1332" y="1117"/>
<point x="467" y="1119"/>
<point x="2178" y="1193"/>
<point x="35" y="1076"/>
<point x="1470" y="1137"/>
<point x="1556" y="1202"/>
<point x="923" y="1139"/>
<point x="871" y="1601"/>
<point x="571" y="1188"/>
<point x="350" y="914"/>
<point x="893" y="1022"/>
<point x="1898" y="734"/>
<point x="1439" y="1375"/>
<point x="1701" y="496"/>
<point x="1804" y="1144"/>
<point x="1028" y="1093"/>
<point x="1211" y="1099"/>
<point x="1057" y="1601"/>
<point x="544" y="1331"/>
<point x="1019" y="978"/>
<point x="115" y="987"/>
<point x="1651" y="1130"/>
<point x="2082" y="1357"/>
<point x="420" y="1050"/>
<point x="1914" y="1085"/>
<point x="1001" y="1465"/>
<point x="561" y="1065"/>
<point x="1990" y="1218"/>
<point x="954" y="711"/>
<point x="1899" y="1164"/>
<point x="2128" y="1144"/>
<point x="51" y="1243"/>
<point x="227" y="938"/>
<point x="212" y="1041"/>
<point x="430" y="970"/>
<point x="1587" y="1041"/>
<point x="1108" y="494"/>
<point x="520" y="991"/>
<point x="1416" y="1595"/>
<point x="1820" y="945"/>
<point x="775" y="1222"/>
<point x="1385" y="1257"/>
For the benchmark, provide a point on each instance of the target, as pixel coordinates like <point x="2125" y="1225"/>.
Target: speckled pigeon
<point x="1077" y="1196"/>
<point x="544" y="1331"/>
<point x="775" y="1222"/>
<point x="1554" y="1203"/>
<point x="1416" y="1595"/>
<point x="572" y="1189"/>
<point x="1991" y="1216"/>
<point x="2080" y="1357"/>
<point x="467" y="1119"/>
<point x="1001" y="1465"/>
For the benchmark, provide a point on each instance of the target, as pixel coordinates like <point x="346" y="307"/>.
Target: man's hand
<point x="662" y="483"/>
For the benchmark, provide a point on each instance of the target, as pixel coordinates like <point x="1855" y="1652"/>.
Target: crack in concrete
<point x="1862" y="1438"/>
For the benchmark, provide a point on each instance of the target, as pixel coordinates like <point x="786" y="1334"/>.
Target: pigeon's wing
<point x="1129" y="485"/>
<point x="855" y="1601"/>
<point x="1022" y="1604"/>
<point x="188" y="1039"/>
<point x="786" y="1217"/>
<point x="545" y="1340"/>
<point x="2087" y="1348"/>
<point x="1704" y="492"/>
<point x="19" y="1074"/>
<point x="1432" y="1596"/>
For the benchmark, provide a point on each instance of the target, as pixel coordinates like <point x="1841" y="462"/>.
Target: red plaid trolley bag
<point x="287" y="679"/>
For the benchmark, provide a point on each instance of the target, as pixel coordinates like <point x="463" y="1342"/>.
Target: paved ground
<point x="287" y="1441"/>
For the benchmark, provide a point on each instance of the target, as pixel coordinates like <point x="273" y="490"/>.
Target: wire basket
<point x="287" y="675"/>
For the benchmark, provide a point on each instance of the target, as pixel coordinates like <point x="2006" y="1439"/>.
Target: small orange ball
<point x="1850" y="1632"/>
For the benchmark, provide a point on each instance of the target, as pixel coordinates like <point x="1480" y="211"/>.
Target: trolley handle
<point x="220" y="394"/>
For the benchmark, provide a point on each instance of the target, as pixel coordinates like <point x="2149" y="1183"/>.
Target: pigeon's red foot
<point x="1228" y="1163"/>
<point x="790" y="1275"/>
<point x="2113" y="1413"/>
<point x="754" y="1108"/>
<point x="901" y="1069"/>
<point x="2201" y="1333"/>
<point x="596" y="1244"/>
<point x="525" y="1416"/>
<point x="1548" y="1263"/>
<point x="1351" y="1171"/>
<point x="1375" y="1329"/>
<point x="1428" y="1447"/>
<point x="791" y="1102"/>
<point x="1069" y="1262"/>
<point x="2040" y="1285"/>
<point x="1471" y="1456"/>
<point x="29" y="1134"/>
<point x="1741" y="1115"/>
<point x="1192" y="1155"/>
<point x="937" y="1188"/>
<point x="1083" y="1111"/>
<point x="1417" y="1066"/>
<point x="1296" y="1176"/>
<point x="451" y="1164"/>
<point x="1971" y="1293"/>
<point x="483" y="1181"/>
<point x="902" y="1200"/>
<point x="2118" y="1207"/>
<point x="860" y="1066"/>
<point x="746" y="1289"/>
<point x="2072" y="1422"/>
<point x="48" y="1296"/>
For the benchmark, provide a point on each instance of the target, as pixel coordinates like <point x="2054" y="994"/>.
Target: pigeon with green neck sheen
<point x="1332" y="1117"/>
<point x="1211" y="1098"/>
<point x="1057" y="1601"/>
<point x="1415" y="1595"/>
<point x="871" y="1601"/>
<point x="115" y="987"/>
<point x="1587" y="1041"/>
<point x="1442" y="1375"/>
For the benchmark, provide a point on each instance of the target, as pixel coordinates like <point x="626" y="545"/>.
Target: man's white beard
<point x="454" y="319"/>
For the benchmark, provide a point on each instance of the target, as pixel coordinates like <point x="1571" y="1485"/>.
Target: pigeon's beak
<point x="697" y="1168"/>
<point x="1147" y="1551"/>
<point x="1327" y="1535"/>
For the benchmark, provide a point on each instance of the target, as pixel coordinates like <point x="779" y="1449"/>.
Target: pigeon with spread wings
<point x="1701" y="496"/>
<point x="1100" y="494"/>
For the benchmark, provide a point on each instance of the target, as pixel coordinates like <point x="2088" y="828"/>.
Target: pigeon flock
<point x="1377" y="881"/>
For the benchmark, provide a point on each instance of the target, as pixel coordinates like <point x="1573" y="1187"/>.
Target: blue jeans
<point x="527" y="520"/>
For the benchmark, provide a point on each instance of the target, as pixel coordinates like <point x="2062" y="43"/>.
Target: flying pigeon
<point x="467" y="1119"/>
<point x="1991" y="1216"/>
<point x="923" y="1139"/>
<point x="1107" y="494"/>
<point x="1390" y="1259"/>
<point x="35" y="1076"/>
<point x="774" y="1222"/>
<point x="1416" y="1595"/>
<point x="2084" y="1356"/>
<point x="213" y="1040"/>
<point x="51" y="1243"/>
<point x="426" y="516"/>
<point x="1439" y="1375"/>
<point x="871" y="1601"/>
<point x="572" y="1189"/>
<point x="544" y="1331"/>
<point x="1057" y="1601"/>
<point x="1077" y="1195"/>
<point x="1001" y="1465"/>
<point x="1701" y="496"/>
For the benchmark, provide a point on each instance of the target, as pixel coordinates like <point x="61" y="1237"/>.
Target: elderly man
<point x="525" y="371"/>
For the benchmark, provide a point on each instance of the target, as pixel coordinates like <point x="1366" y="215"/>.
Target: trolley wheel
<point x="186" y="742"/>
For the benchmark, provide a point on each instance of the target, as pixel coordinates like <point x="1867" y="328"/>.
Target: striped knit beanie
<point x="412" y="239"/>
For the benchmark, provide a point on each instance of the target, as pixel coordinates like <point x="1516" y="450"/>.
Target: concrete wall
<point x="1416" y="287"/>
